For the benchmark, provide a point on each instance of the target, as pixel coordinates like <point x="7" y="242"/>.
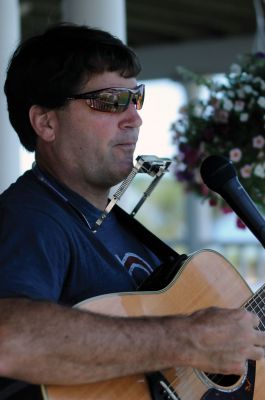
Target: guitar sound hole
<point x="223" y="380"/>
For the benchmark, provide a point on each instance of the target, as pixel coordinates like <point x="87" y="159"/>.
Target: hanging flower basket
<point x="230" y="122"/>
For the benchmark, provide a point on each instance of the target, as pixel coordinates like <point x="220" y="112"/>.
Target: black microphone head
<point x="216" y="171"/>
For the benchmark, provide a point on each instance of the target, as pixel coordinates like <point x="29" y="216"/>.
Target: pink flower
<point x="258" y="142"/>
<point x="240" y="224"/>
<point x="212" y="202"/>
<point x="227" y="210"/>
<point x="246" y="171"/>
<point x="235" y="154"/>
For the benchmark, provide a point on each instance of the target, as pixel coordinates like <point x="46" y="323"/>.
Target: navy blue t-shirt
<point x="48" y="251"/>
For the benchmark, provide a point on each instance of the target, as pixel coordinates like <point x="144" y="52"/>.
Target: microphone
<point x="219" y="174"/>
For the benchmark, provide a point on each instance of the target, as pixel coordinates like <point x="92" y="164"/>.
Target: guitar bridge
<point x="160" y="388"/>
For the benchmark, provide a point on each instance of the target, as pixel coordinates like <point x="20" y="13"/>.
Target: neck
<point x="97" y="196"/>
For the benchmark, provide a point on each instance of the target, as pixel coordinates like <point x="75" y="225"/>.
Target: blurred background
<point x="204" y="36"/>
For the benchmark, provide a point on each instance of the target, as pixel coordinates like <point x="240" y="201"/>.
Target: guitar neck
<point x="256" y="304"/>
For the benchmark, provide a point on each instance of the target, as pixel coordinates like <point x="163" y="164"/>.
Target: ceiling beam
<point x="203" y="57"/>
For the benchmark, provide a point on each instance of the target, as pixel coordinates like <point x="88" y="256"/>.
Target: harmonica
<point x="149" y="164"/>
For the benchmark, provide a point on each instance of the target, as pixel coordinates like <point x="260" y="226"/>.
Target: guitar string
<point x="189" y="383"/>
<point x="255" y="305"/>
<point x="258" y="311"/>
<point x="186" y="384"/>
<point x="192" y="377"/>
<point x="251" y="305"/>
<point x="253" y="300"/>
<point x="260" y="314"/>
<point x="190" y="380"/>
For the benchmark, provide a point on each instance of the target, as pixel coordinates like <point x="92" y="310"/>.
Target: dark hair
<point x="47" y="68"/>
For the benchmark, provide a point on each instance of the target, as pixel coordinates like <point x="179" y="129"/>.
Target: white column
<point x="9" y="143"/>
<point x="109" y="15"/>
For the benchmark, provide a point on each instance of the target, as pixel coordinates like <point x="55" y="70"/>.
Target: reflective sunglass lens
<point x="110" y="102"/>
<point x="113" y="100"/>
<point x="101" y="105"/>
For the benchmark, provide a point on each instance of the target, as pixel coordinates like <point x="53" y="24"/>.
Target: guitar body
<point x="205" y="279"/>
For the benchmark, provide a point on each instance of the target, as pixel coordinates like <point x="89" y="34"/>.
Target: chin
<point x="122" y="173"/>
<point x="127" y="167"/>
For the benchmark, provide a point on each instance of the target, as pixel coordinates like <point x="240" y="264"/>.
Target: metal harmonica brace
<point x="149" y="164"/>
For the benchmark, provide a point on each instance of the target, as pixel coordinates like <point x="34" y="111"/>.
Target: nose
<point x="130" y="118"/>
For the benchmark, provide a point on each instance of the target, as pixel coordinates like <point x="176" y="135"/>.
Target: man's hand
<point x="223" y="340"/>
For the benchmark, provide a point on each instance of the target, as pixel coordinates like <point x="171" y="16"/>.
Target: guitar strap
<point x="11" y="388"/>
<point x="17" y="390"/>
<point x="157" y="246"/>
<point x="171" y="261"/>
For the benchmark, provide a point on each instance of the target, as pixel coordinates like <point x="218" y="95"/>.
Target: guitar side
<point x="205" y="279"/>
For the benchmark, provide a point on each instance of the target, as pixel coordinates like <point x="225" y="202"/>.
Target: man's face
<point x="91" y="147"/>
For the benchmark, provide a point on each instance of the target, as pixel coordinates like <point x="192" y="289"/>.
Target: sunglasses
<point x="113" y="100"/>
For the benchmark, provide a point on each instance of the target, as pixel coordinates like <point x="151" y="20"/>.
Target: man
<point x="73" y="98"/>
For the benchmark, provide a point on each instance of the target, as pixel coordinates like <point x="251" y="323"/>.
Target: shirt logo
<point x="136" y="266"/>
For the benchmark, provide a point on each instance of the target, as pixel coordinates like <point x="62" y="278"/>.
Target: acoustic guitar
<point x="205" y="279"/>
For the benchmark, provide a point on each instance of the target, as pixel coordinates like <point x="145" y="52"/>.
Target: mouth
<point x="127" y="145"/>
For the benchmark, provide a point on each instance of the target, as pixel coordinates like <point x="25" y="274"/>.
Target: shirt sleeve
<point x="34" y="254"/>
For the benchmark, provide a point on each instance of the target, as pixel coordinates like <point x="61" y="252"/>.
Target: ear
<point x="43" y="122"/>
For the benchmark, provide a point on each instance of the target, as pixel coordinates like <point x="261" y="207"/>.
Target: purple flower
<point x="184" y="175"/>
<point x="260" y="54"/>
<point x="190" y="155"/>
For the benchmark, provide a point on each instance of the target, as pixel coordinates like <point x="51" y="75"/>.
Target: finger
<point x="255" y="320"/>
<point x="260" y="339"/>
<point x="257" y="353"/>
